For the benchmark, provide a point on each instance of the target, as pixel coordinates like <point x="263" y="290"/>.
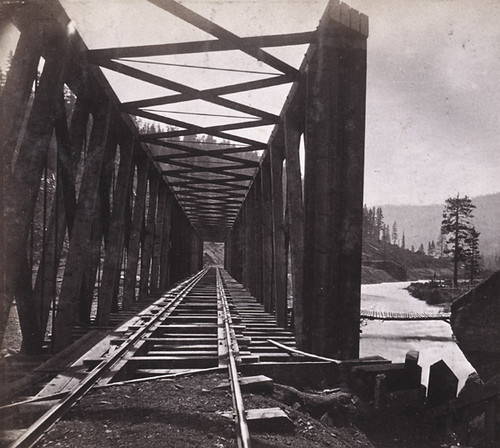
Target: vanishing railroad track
<point x="207" y="322"/>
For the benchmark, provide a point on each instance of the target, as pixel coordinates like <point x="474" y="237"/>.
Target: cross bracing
<point x="178" y="133"/>
<point x="204" y="147"/>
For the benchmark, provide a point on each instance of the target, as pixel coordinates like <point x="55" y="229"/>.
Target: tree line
<point x="458" y="239"/>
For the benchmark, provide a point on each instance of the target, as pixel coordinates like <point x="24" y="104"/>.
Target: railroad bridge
<point x="125" y="149"/>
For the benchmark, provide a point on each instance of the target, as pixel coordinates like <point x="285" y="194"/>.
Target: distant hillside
<point x="384" y="262"/>
<point x="422" y="224"/>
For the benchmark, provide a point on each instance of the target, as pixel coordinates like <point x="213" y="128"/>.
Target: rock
<point x="472" y="386"/>
<point x="443" y="384"/>
<point x="475" y="323"/>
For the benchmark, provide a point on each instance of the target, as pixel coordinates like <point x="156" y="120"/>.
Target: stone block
<point x="443" y="384"/>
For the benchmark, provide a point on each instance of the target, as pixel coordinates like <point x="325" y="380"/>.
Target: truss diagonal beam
<point x="229" y="177"/>
<point x="224" y="90"/>
<point x="198" y="129"/>
<point x="195" y="193"/>
<point x="208" y="130"/>
<point x="189" y="92"/>
<point x="215" y="169"/>
<point x="195" y="152"/>
<point x="220" y="152"/>
<point x="215" y="30"/>
<point x="224" y="183"/>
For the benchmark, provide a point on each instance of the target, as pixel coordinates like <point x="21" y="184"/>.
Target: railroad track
<point x="206" y="322"/>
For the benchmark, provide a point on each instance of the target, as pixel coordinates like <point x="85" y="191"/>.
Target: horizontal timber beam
<point x="202" y="46"/>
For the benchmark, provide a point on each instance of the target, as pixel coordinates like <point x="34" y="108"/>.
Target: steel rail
<point x="242" y="432"/>
<point x="36" y="431"/>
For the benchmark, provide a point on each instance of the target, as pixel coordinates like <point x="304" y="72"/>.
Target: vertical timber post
<point x="296" y="215"/>
<point x="165" y="251"/>
<point x="116" y="239"/>
<point x="82" y="227"/>
<point x="158" y="238"/>
<point x="333" y="194"/>
<point x="135" y="234"/>
<point x="279" y="261"/>
<point x="149" y="228"/>
<point x="267" y="235"/>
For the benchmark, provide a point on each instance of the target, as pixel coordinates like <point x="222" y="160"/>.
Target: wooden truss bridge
<point x="120" y="161"/>
<point x="122" y="158"/>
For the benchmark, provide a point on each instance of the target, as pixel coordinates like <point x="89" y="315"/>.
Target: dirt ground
<point x="187" y="413"/>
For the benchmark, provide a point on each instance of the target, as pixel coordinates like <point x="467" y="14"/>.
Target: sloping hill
<point x="383" y="262"/>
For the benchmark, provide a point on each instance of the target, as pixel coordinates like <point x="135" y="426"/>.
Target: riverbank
<point x="438" y="293"/>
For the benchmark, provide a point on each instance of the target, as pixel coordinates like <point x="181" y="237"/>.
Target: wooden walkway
<point x="389" y="315"/>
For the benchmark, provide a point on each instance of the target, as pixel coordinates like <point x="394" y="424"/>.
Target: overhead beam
<point x="202" y="46"/>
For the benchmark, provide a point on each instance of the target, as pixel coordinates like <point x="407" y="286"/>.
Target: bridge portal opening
<point x="213" y="254"/>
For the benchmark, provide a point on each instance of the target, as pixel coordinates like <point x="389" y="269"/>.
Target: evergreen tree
<point x="456" y="225"/>
<point x="431" y="250"/>
<point x="441" y="245"/>
<point x="395" y="237"/>
<point x="3" y="78"/>
<point x="386" y="235"/>
<point x="403" y="241"/>
<point x="421" y="249"/>
<point x="366" y="222"/>
<point x="379" y="223"/>
<point x="471" y="253"/>
<point x="412" y="248"/>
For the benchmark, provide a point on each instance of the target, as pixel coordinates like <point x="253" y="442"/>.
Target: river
<point x="393" y="339"/>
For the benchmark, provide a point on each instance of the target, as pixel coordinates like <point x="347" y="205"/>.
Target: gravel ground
<point x="184" y="413"/>
<point x="187" y="413"/>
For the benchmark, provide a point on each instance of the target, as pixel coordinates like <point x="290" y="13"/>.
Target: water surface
<point x="392" y="340"/>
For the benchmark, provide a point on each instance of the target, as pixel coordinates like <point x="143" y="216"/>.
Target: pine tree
<point x="441" y="245"/>
<point x="431" y="249"/>
<point x="386" y="235"/>
<point x="471" y="253"/>
<point x="395" y="237"/>
<point x="379" y="223"/>
<point x="366" y="222"/>
<point x="456" y="225"/>
<point x="403" y="241"/>
<point x="421" y="249"/>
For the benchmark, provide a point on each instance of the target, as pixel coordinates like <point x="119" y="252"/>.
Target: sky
<point x="432" y="123"/>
